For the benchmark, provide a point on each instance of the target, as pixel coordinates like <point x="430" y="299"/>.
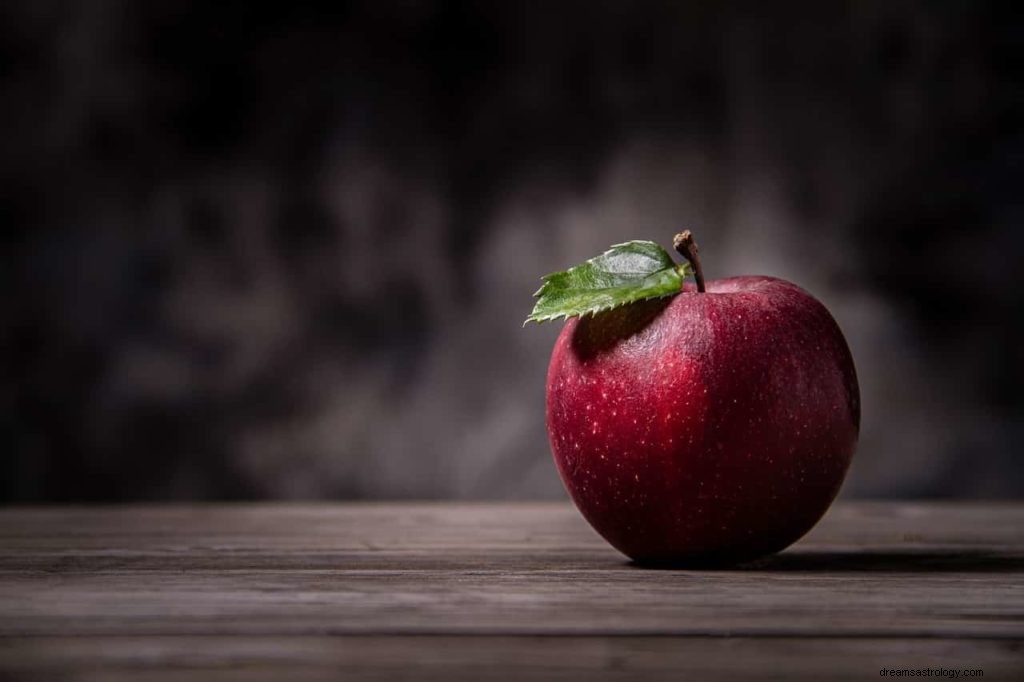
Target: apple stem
<point x="687" y="248"/>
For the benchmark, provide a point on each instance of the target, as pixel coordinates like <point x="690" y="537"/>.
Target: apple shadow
<point x="870" y="561"/>
<point x="892" y="561"/>
<point x="596" y="334"/>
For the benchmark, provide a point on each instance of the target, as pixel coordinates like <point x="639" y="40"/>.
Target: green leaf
<point x="625" y="273"/>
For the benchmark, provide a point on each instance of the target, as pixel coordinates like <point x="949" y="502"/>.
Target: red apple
<point x="710" y="427"/>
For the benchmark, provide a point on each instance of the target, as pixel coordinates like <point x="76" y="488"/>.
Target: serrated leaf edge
<point x="539" y="319"/>
<point x="683" y="269"/>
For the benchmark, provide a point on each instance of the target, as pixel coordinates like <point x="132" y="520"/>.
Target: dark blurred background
<point x="286" y="253"/>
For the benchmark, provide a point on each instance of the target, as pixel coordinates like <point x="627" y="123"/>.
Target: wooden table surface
<point x="495" y="591"/>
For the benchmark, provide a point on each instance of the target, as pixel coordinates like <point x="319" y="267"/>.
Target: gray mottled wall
<point x="287" y="253"/>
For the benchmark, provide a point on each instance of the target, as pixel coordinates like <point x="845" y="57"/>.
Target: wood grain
<point x="128" y="592"/>
<point x="495" y="658"/>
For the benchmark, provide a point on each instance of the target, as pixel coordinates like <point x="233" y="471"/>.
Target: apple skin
<point x="705" y="428"/>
